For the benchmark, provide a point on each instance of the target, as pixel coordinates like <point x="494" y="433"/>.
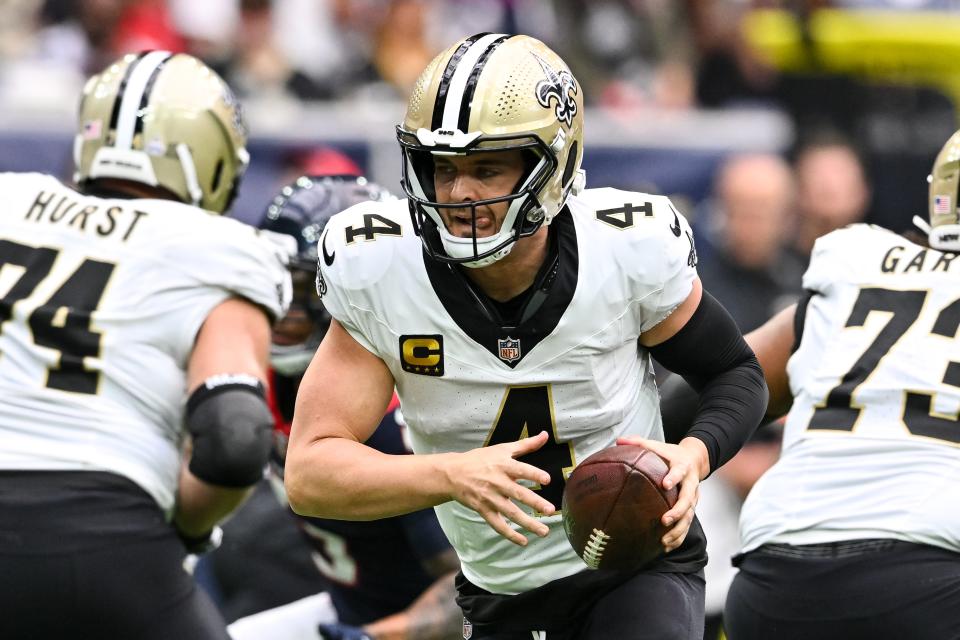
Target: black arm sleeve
<point x="711" y="355"/>
<point x="678" y="407"/>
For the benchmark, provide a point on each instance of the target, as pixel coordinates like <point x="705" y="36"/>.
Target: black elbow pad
<point x="231" y="426"/>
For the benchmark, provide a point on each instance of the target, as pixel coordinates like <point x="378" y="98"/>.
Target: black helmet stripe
<point x="145" y="99"/>
<point x="453" y="86"/>
<point x="115" y="112"/>
<point x="447" y="77"/>
<point x="142" y="71"/>
<point x="463" y="122"/>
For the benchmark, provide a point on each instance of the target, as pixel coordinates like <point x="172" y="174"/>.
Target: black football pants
<point x="854" y="590"/>
<point x="648" y="606"/>
<point x="88" y="556"/>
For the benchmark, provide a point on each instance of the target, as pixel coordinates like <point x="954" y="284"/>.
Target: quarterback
<point x="516" y="314"/>
<point x="134" y="333"/>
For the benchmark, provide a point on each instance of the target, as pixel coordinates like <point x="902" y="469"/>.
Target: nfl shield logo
<point x="467" y="629"/>
<point x="509" y="349"/>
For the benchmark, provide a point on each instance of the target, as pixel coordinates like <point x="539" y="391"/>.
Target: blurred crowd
<point x="665" y="53"/>
<point x="630" y="56"/>
<point x="672" y="54"/>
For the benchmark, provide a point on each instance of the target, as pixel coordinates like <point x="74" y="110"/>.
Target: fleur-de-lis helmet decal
<point x="560" y="87"/>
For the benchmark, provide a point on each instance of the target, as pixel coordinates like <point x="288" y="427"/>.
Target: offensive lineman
<point x="130" y="320"/>
<point x="520" y="324"/>
<point x="855" y="531"/>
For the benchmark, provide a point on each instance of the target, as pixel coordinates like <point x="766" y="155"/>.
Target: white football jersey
<point x="574" y="368"/>
<point x="872" y="443"/>
<point x="100" y="303"/>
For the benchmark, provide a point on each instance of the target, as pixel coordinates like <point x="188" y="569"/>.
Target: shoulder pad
<point x="360" y="244"/>
<point x="638" y="214"/>
<point x="228" y="254"/>
<point x="841" y="254"/>
<point x="843" y="240"/>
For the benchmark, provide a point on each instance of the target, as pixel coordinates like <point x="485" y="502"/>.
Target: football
<point x="612" y="505"/>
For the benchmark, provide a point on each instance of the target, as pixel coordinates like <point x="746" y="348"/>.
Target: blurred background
<point x="676" y="89"/>
<point x="768" y="122"/>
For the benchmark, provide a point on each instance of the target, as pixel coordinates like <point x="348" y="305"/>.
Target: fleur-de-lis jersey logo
<point x="559" y="86"/>
<point x="321" y="283"/>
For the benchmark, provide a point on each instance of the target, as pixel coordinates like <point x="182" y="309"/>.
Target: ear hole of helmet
<point x="571" y="166"/>
<point x="217" y="175"/>
<point x="234" y="190"/>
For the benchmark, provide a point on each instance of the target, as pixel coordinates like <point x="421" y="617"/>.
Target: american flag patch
<point x="941" y="204"/>
<point x="92" y="129"/>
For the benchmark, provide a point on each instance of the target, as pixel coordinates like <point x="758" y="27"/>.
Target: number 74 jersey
<point x="101" y="300"/>
<point x="872" y="443"/>
<point x="569" y="364"/>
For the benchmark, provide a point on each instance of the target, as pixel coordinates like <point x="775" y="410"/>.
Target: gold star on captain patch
<point x="422" y="354"/>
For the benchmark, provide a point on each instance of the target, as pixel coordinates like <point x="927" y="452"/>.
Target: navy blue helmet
<point x="301" y="210"/>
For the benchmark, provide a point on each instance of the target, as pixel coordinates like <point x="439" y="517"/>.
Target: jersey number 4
<point x="841" y="412"/>
<point x="62" y="323"/>
<point x="524" y="412"/>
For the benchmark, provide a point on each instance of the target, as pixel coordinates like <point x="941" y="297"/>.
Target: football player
<point x="134" y="319"/>
<point x="516" y="314"/>
<point x="854" y="532"/>
<point x="392" y="577"/>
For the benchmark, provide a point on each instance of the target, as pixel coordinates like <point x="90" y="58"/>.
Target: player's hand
<point x="342" y="632"/>
<point x="688" y="462"/>
<point x="486" y="480"/>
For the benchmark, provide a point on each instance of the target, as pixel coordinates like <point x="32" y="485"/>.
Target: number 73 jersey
<point x="569" y="364"/>
<point x="872" y="443"/>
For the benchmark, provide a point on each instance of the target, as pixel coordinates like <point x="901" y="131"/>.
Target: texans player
<point x="516" y="314"/>
<point x="392" y="577"/>
<point x="133" y="319"/>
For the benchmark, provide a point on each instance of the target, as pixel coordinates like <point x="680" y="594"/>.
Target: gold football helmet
<point x="492" y="92"/>
<point x="164" y="120"/>
<point x="943" y="229"/>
